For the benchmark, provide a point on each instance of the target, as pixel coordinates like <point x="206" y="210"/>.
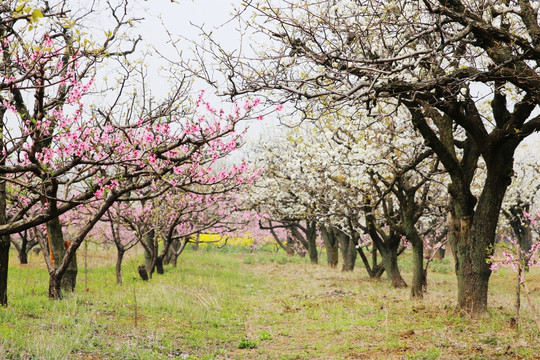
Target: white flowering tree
<point x="522" y="198"/>
<point x="325" y="170"/>
<point x="465" y="71"/>
<point x="284" y="198"/>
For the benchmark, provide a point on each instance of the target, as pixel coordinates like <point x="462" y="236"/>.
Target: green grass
<point x="239" y="305"/>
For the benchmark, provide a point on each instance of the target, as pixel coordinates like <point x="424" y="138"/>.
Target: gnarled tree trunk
<point x="473" y="236"/>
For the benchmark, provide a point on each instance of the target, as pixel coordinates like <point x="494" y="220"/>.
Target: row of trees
<point x="330" y="178"/>
<point x="68" y="158"/>
<point x="461" y="74"/>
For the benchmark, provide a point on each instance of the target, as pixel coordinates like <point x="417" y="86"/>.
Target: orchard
<point x="397" y="142"/>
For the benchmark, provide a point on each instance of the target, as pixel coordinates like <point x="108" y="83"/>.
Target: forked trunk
<point x="392" y="269"/>
<point x="473" y="237"/>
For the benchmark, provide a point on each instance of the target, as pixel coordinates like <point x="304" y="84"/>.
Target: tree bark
<point x="57" y="251"/>
<point x="419" y="281"/>
<point x="311" y="237"/>
<point x="23" y="255"/>
<point x="392" y="269"/>
<point x="473" y="237"/>
<point x="4" y="264"/>
<point x="24" y="247"/>
<point x="348" y="251"/>
<point x="4" y="240"/>
<point x="159" y="265"/>
<point x="178" y="249"/>
<point x="69" y="279"/>
<point x="308" y="239"/>
<point x="331" y="245"/>
<point x="119" y="258"/>
<point x="149" y="249"/>
<point x="54" y="286"/>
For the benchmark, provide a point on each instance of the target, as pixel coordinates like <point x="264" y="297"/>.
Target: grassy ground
<point x="219" y="305"/>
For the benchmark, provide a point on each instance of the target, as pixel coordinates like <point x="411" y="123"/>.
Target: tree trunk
<point x="149" y="250"/>
<point x="331" y="245"/>
<point x="159" y="265"/>
<point x="4" y="263"/>
<point x="474" y="236"/>
<point x="388" y="250"/>
<point x="419" y="281"/>
<point x="285" y="246"/>
<point x="472" y="270"/>
<point x="5" y="241"/>
<point x="119" y="258"/>
<point x="168" y="256"/>
<point x="392" y="269"/>
<point x="312" y="246"/>
<point x="23" y="256"/>
<point x="55" y="286"/>
<point x="178" y="251"/>
<point x="348" y="251"/>
<point x="307" y="241"/>
<point x="69" y="279"/>
<point x="23" y="249"/>
<point x="57" y="250"/>
<point x="374" y="271"/>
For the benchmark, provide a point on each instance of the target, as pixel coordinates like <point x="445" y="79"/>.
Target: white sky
<point x="181" y="18"/>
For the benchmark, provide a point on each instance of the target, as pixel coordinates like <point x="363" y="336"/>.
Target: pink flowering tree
<point x="60" y="153"/>
<point x="179" y="214"/>
<point x="511" y="254"/>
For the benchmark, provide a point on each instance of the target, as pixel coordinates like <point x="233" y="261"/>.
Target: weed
<point x="250" y="259"/>
<point x="265" y="335"/>
<point x="246" y="343"/>
<point x="429" y="354"/>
